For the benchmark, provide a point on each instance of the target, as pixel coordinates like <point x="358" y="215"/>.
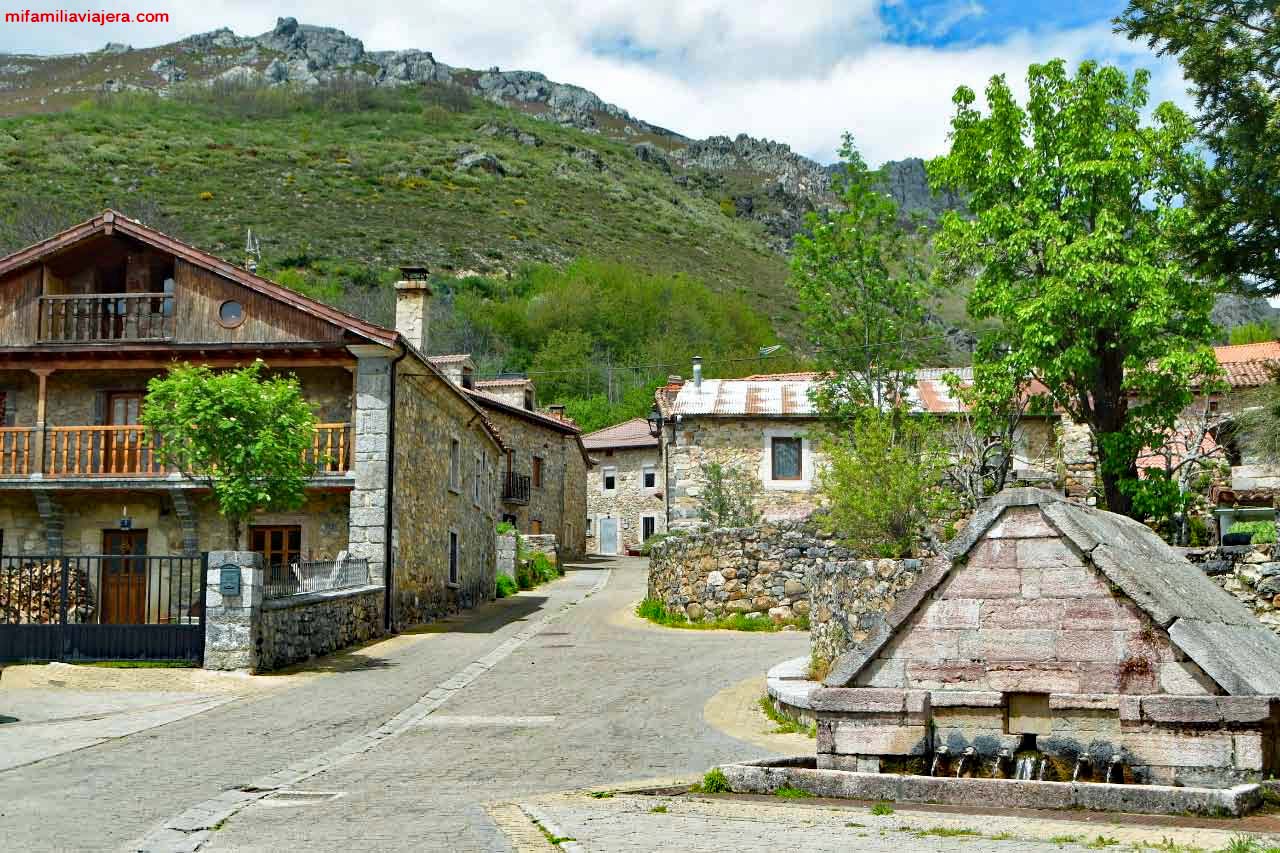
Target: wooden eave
<point x="110" y="222"/>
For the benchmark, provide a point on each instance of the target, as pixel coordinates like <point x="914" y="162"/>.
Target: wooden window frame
<point x="535" y="474"/>
<point x="238" y="323"/>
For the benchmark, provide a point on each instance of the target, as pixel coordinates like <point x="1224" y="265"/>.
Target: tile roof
<point x="632" y="433"/>
<point x="449" y="359"/>
<point x="502" y="383"/>
<point x="1249" y="365"/>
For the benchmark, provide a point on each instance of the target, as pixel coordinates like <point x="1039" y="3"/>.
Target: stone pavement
<point x="625" y="823"/>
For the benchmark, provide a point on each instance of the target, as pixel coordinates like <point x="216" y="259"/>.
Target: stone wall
<point x="507" y="548"/>
<point x="746" y="570"/>
<point x="559" y="503"/>
<point x="544" y="543"/>
<point x="849" y="596"/>
<point x="1249" y="572"/>
<point x="428" y="507"/>
<point x="741" y="443"/>
<point x="1078" y="459"/>
<point x="629" y="501"/>
<point x="299" y="627"/>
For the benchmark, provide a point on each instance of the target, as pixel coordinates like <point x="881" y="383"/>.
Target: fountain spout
<point x="997" y="765"/>
<point x="1082" y="760"/>
<point x="969" y="752"/>
<point x="1115" y="766"/>
<point x="938" y="755"/>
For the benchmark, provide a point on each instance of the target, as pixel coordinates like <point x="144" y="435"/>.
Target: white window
<point x="787" y="457"/>
<point x="453" y="556"/>
<point x="650" y="476"/>
<point x="787" y="461"/>
<point x="455" y="464"/>
<point x="610" y="478"/>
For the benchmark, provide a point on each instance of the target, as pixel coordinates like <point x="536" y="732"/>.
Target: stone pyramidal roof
<point x="1213" y="629"/>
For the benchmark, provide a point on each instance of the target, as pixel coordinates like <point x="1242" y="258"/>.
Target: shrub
<point x="506" y="585"/>
<point x="505" y="528"/>
<point x="646" y="548"/>
<point x="882" y="484"/>
<point x="714" y="782"/>
<point x="543" y="569"/>
<point x="1262" y="531"/>
<point x="727" y="497"/>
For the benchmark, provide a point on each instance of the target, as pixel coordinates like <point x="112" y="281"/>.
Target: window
<point x="279" y="546"/>
<point x="478" y="487"/>
<point x="590" y="527"/>
<point x="453" y="557"/>
<point x="230" y="314"/>
<point x="528" y="399"/>
<point x="610" y="479"/>
<point x="647" y="526"/>
<point x="650" y="477"/>
<point x="787" y="462"/>
<point x="537" y="472"/>
<point x="455" y="464"/>
<point x="468" y="378"/>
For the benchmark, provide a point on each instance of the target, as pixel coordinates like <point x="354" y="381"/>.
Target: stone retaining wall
<point x="850" y="596"/>
<point x="750" y="570"/>
<point x="299" y="627"/>
<point x="1249" y="572"/>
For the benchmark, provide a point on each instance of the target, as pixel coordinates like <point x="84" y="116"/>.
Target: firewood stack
<point x="31" y="594"/>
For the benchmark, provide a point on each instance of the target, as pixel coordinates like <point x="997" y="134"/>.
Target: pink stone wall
<point x="1026" y="614"/>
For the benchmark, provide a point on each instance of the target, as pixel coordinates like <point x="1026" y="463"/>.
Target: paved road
<point x="610" y="701"/>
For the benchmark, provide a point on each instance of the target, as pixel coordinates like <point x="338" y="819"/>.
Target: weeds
<point x="656" y="612"/>
<point x="785" y="725"/>
<point x="1102" y="841"/>
<point x="787" y="792"/>
<point x="505" y="586"/>
<point x="882" y="809"/>
<point x="658" y="810"/>
<point x="714" y="782"/>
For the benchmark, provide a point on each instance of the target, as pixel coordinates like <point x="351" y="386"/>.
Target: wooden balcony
<point x="104" y="318"/>
<point x="515" y="488"/>
<point x="127" y="451"/>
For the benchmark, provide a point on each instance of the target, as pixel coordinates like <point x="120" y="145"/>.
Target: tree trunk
<point x="1110" y="410"/>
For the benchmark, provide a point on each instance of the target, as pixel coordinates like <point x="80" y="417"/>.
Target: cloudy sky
<point x="800" y="71"/>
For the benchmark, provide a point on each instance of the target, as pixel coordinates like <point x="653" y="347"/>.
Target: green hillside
<point x="353" y="181"/>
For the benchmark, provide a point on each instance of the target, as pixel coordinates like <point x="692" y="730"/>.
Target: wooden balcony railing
<point x="100" y="451"/>
<point x="127" y="451"/>
<point x="330" y="449"/>
<point x="106" y="318"/>
<point x="15" y="451"/>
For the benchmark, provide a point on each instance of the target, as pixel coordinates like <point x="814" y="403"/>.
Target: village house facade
<point x="405" y="490"/>
<point x="626" y="492"/>
<point x="767" y="429"/>
<point x="544" y="471"/>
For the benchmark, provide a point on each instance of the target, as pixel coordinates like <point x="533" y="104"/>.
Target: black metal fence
<point x="101" y="607"/>
<point x="283" y="579"/>
<point x="515" y="488"/>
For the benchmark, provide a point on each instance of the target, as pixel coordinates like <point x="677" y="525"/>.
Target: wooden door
<point x="123" y="582"/>
<point x="123" y="448"/>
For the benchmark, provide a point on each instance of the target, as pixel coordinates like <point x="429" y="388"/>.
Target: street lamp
<point x="655" y="422"/>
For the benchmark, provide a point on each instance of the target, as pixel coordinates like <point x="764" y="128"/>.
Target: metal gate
<point x="102" y="607"/>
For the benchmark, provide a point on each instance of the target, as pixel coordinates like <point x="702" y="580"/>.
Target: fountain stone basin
<point x="766" y="777"/>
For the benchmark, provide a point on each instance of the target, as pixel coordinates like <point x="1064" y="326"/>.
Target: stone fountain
<point x="1056" y="648"/>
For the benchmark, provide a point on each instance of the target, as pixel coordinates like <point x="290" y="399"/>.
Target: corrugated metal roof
<point x="449" y="359"/>
<point x="765" y="396"/>
<point x="632" y="433"/>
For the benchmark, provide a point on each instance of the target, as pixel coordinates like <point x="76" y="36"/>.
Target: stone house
<point x="407" y="466"/>
<point x="543" y="480"/>
<point x="768" y="429"/>
<point x="626" y="492"/>
<point x="1052" y="629"/>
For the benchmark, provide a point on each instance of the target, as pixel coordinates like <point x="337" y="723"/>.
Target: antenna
<point x="253" y="249"/>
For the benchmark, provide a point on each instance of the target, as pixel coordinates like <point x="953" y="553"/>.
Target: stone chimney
<point x="413" y="306"/>
<point x="557" y="411"/>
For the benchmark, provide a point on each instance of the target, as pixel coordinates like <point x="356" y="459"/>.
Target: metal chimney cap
<point x="410" y="273"/>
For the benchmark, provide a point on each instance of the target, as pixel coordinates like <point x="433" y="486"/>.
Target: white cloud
<point x="801" y="72"/>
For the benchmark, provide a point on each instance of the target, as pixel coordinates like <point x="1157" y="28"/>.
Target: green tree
<point x="1073" y="241"/>
<point x="727" y="497"/>
<point x="243" y="435"/>
<point x="861" y="284"/>
<point x="882" y="483"/>
<point x="1230" y="53"/>
<point x="1252" y="333"/>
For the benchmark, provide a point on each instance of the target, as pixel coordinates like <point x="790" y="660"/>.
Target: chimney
<point x="413" y="310"/>
<point x="697" y="372"/>
<point x="675" y="379"/>
<point x="557" y="411"/>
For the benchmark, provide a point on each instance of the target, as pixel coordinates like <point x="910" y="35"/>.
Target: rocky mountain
<point x="762" y="180"/>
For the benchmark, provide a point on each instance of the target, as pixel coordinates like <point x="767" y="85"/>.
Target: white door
<point x="608" y="536"/>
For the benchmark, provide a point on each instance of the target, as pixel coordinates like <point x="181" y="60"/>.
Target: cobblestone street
<point x="452" y="738"/>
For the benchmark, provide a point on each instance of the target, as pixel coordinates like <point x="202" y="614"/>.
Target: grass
<point x="505" y="586"/>
<point x="819" y="667"/>
<point x="882" y="809"/>
<point x="602" y="795"/>
<point x="785" y="725"/>
<point x="658" y="810"/>
<point x="141" y="664"/>
<point x="656" y="612"/>
<point x="713" y="782"/>
<point x="1246" y="844"/>
<point x="948" y="832"/>
<point x="1064" y="839"/>
<point x="787" y="792"/>
<point x="1102" y="841"/>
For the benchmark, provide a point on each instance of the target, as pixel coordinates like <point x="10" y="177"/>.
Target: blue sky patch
<point x="948" y="23"/>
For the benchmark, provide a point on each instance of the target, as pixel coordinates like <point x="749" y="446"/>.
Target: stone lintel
<point x="966" y="699"/>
